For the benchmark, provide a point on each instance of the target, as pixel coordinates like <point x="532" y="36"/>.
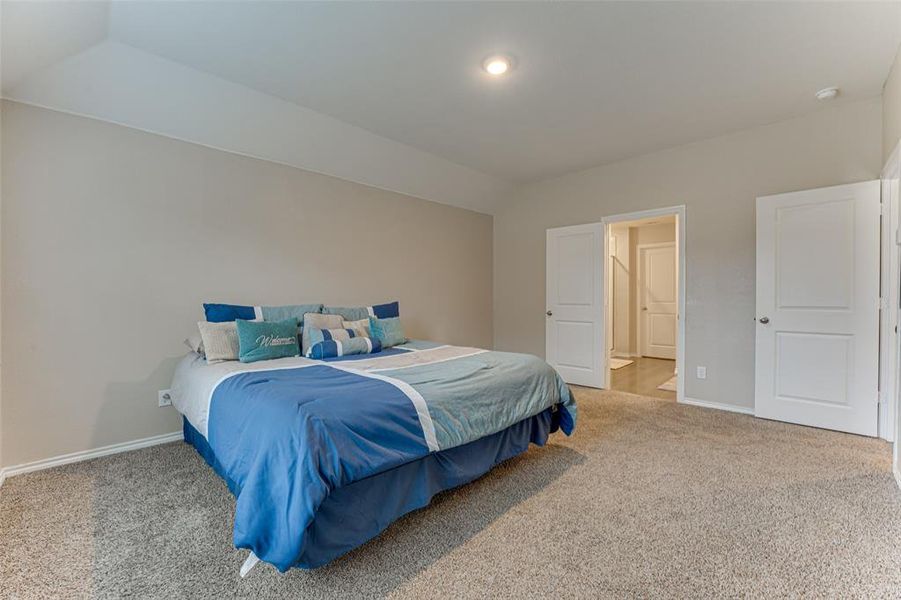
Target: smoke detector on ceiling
<point x="828" y="93"/>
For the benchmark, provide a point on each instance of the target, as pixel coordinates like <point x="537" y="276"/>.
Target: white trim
<point x="742" y="410"/>
<point x="679" y="212"/>
<point x="888" y="315"/>
<point x="74" y="457"/>
<point x="639" y="289"/>
<point x="893" y="167"/>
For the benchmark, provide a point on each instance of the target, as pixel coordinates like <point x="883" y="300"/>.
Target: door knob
<point x="549" y="313"/>
<point x="644" y="308"/>
<point x="764" y="320"/>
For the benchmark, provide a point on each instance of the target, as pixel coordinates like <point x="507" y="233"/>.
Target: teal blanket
<point x="472" y="396"/>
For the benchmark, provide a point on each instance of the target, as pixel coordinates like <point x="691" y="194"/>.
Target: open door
<point x="575" y="338"/>
<point x="818" y="307"/>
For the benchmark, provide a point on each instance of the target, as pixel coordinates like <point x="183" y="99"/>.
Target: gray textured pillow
<point x="220" y="340"/>
<point x="318" y="321"/>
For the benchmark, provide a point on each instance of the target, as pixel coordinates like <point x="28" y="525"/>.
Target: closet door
<point x="817" y="356"/>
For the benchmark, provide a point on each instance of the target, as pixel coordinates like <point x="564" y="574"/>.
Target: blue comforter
<point x="286" y="437"/>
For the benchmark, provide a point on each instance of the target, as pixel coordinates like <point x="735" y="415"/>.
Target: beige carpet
<point x="649" y="498"/>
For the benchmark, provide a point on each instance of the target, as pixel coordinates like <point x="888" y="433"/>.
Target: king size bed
<point x="323" y="455"/>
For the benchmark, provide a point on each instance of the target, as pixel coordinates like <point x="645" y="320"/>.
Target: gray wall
<point x="112" y="238"/>
<point x="718" y="181"/>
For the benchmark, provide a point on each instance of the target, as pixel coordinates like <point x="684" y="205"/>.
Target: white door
<point x="658" y="300"/>
<point x="575" y="338"/>
<point x="818" y="307"/>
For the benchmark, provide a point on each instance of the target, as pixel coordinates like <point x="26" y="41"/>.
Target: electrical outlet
<point x="702" y="372"/>
<point x="165" y="398"/>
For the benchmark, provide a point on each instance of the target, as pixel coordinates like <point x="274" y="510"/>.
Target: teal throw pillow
<point x="388" y="331"/>
<point x="265" y="340"/>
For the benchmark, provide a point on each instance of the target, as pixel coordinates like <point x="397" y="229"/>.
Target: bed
<point x="323" y="455"/>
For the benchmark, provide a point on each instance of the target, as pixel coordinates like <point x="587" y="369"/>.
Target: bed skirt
<point x="356" y="513"/>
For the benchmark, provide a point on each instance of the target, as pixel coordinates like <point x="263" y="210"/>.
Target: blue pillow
<point x="335" y="347"/>
<point x="382" y="311"/>
<point x="262" y="340"/>
<point x="387" y="331"/>
<point x="220" y="313"/>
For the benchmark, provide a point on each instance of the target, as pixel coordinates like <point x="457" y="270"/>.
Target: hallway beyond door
<point x="643" y="376"/>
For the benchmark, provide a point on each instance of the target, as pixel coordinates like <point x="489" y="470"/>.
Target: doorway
<point x="581" y="337"/>
<point x="643" y="304"/>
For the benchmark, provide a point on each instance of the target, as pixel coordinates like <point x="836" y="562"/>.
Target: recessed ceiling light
<point x="828" y="93"/>
<point x="497" y="65"/>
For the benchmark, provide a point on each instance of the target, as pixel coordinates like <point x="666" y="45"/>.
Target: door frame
<point x="679" y="213"/>
<point x="889" y="341"/>
<point x="637" y="299"/>
<point x="890" y="262"/>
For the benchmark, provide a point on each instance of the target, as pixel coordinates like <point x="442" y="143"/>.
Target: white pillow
<point x="220" y="340"/>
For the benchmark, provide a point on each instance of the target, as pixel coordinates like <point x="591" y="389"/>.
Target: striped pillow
<point x="329" y="343"/>
<point x="314" y="321"/>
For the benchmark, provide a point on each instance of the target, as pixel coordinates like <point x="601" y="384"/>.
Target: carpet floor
<point x="648" y="499"/>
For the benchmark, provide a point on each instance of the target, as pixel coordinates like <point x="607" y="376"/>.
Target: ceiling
<point x="594" y="82"/>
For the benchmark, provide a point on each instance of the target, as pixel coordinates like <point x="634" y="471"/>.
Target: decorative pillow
<point x="220" y="340"/>
<point x="382" y="311"/>
<point x="336" y="347"/>
<point x="291" y="311"/>
<point x="221" y="313"/>
<point x="316" y="335"/>
<point x="318" y="321"/>
<point x="361" y="326"/>
<point x="262" y="340"/>
<point x="387" y="331"/>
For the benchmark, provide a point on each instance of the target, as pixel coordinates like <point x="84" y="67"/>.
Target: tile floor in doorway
<point x="643" y="376"/>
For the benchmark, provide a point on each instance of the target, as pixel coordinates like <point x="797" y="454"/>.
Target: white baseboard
<point x="744" y="410"/>
<point x="66" y="459"/>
